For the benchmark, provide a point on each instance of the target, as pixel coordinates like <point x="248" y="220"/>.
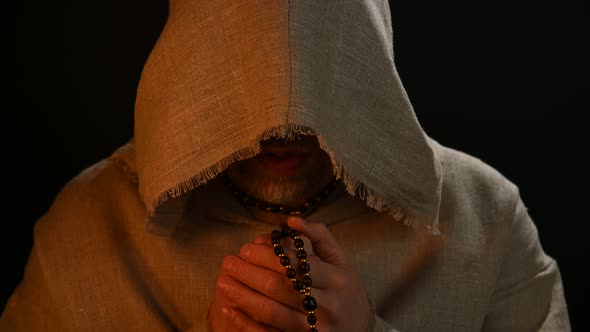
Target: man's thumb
<point x="323" y="243"/>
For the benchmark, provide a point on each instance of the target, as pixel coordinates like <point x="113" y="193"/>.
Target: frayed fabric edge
<point x="212" y="171"/>
<point x="353" y="186"/>
<point x="376" y="201"/>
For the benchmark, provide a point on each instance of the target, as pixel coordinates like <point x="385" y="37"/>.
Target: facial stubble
<point x="286" y="191"/>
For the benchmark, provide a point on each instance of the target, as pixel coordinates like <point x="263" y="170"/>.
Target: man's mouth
<point x="283" y="162"/>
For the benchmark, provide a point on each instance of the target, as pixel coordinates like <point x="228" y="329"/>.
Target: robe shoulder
<point x="103" y="195"/>
<point x="473" y="190"/>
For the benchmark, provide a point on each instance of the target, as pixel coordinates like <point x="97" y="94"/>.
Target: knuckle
<point x="233" y="266"/>
<point x="313" y="260"/>
<point x="272" y="285"/>
<point x="221" y="283"/>
<point x="222" y="288"/>
<point x="246" y="251"/>
<point x="321" y="228"/>
<point x="227" y="264"/>
<point x="252" y="253"/>
<point x="339" y="281"/>
<point x="267" y="312"/>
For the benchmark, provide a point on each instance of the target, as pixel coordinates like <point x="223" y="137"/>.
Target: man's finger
<point x="267" y="282"/>
<point x="264" y="256"/>
<point x="259" y="307"/>
<point x="241" y="322"/>
<point x="322" y="241"/>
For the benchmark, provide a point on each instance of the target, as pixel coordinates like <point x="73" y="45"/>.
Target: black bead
<point x="285" y="232"/>
<point x="307" y="281"/>
<point x="298" y="285"/>
<point x="309" y="303"/>
<point x="312" y="319"/>
<point x="275" y="208"/>
<point x="301" y="254"/>
<point x="279" y="250"/>
<point x="293" y="233"/>
<point x="276" y="241"/>
<point x="291" y="273"/>
<point x="313" y="329"/>
<point x="304" y="267"/>
<point x="284" y="260"/>
<point x="298" y="243"/>
<point x="276" y="234"/>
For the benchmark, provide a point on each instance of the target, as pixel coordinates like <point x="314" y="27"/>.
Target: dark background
<point x="500" y="80"/>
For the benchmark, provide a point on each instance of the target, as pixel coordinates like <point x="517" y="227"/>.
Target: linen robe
<point x="442" y="241"/>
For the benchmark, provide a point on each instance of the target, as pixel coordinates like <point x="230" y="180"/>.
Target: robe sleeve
<point x="380" y="325"/>
<point x="31" y="307"/>
<point x="528" y="295"/>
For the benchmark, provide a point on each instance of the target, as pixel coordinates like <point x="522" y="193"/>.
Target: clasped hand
<point x="253" y="294"/>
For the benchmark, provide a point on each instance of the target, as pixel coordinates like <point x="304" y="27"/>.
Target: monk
<point x="279" y="180"/>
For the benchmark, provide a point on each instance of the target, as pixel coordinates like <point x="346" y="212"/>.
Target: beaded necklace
<point x="304" y="284"/>
<point x="303" y="210"/>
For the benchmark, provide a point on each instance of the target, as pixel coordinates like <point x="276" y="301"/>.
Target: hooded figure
<point x="236" y="93"/>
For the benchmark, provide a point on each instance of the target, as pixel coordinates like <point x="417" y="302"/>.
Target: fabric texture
<point x="95" y="268"/>
<point x="226" y="74"/>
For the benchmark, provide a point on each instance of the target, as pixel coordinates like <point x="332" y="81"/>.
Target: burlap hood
<point x="226" y="74"/>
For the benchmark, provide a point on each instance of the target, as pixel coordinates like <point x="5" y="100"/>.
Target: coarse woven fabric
<point x="93" y="266"/>
<point x="226" y="74"/>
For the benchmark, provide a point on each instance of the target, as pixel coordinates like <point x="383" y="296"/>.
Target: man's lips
<point x="282" y="161"/>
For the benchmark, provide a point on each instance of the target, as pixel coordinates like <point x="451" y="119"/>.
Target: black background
<point x="502" y="80"/>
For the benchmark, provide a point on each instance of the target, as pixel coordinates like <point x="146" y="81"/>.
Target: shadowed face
<point x="285" y="172"/>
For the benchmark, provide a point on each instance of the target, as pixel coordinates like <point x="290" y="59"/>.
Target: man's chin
<point x="289" y="192"/>
<point x="287" y="180"/>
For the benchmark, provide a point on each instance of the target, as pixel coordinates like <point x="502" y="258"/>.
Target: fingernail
<point x="245" y="251"/>
<point x="222" y="283"/>
<point x="228" y="312"/>
<point x="227" y="264"/>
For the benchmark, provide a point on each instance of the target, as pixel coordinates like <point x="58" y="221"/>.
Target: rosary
<point x="302" y="285"/>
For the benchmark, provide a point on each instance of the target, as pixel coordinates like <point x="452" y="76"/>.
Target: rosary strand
<point x="303" y="286"/>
